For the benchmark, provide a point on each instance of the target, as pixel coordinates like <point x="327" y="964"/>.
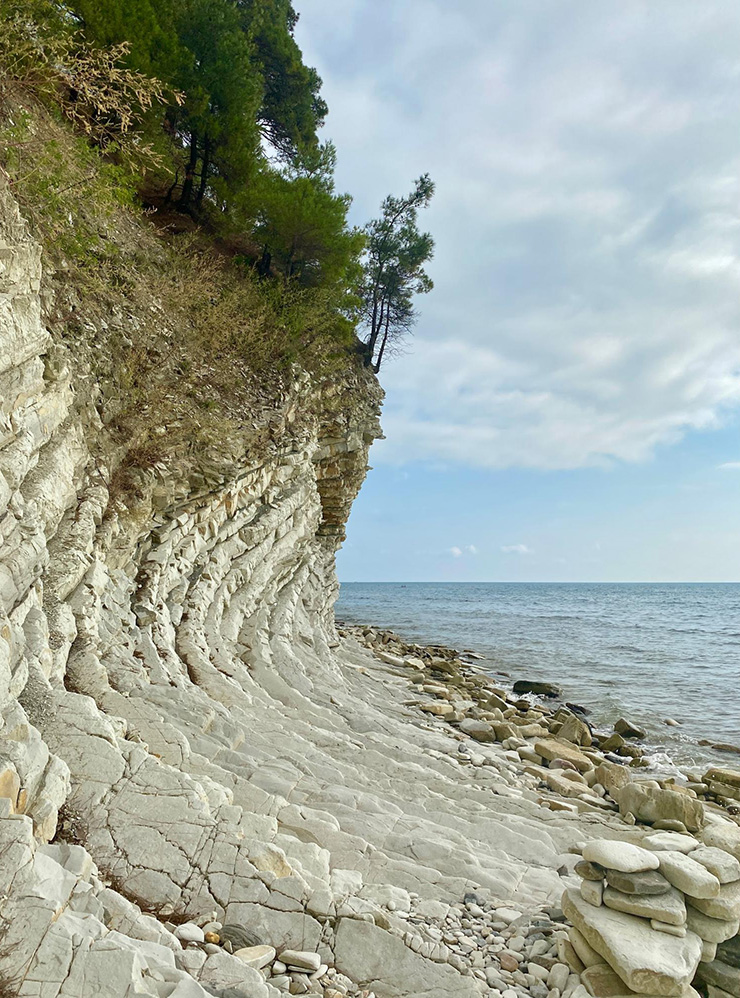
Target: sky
<point x="568" y="408"/>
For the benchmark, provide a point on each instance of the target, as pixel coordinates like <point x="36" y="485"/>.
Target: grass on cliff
<point x="185" y="340"/>
<point x="188" y="347"/>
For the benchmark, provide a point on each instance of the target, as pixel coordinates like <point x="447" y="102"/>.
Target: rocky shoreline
<point x="533" y="702"/>
<point x="659" y="918"/>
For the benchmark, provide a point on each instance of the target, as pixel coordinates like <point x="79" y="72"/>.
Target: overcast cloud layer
<point x="586" y="155"/>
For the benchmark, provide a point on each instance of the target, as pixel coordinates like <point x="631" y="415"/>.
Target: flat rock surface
<point x="366" y="952"/>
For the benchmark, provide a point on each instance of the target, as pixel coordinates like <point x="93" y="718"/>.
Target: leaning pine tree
<point x="394" y="270"/>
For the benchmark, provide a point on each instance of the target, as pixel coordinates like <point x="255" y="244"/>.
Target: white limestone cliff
<point x="182" y="734"/>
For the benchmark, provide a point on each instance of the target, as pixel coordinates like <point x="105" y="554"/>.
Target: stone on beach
<point x="437" y="708"/>
<point x="672" y="930"/>
<point x="552" y="748"/>
<point x="538" y="688"/>
<point x="713" y="930"/>
<point x="575" y="730"/>
<point x="649" y="804"/>
<point x="729" y="951"/>
<point x="256" y="956"/>
<point x="725" y="904"/>
<point x="723" y="835"/>
<point x="612" y="776"/>
<point x="584" y="950"/>
<point x="725" y="782"/>
<point x="721" y="975"/>
<point x="481" y="731"/>
<point x="648" y="962"/>
<point x="189" y="933"/>
<point x="670" y="841"/>
<point x="648" y="882"/>
<point x="724" y="866"/>
<point x="563" y="783"/>
<point x="622" y="856"/>
<point x="592" y="891"/>
<point x="589" y="871"/>
<point x="602" y="982"/>
<point x="687" y="875"/>
<point x="668" y="907"/>
<point x="302" y="959"/>
<point x="628" y="730"/>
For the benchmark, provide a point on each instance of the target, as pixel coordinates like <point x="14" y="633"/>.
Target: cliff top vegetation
<point x="200" y="121"/>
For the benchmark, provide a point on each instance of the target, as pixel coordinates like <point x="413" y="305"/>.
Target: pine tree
<point x="394" y="269"/>
<point x="303" y="222"/>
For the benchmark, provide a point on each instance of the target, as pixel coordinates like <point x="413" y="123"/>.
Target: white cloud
<point x="730" y="466"/>
<point x="458" y="552"/>
<point x="588" y="238"/>
<point x="516" y="549"/>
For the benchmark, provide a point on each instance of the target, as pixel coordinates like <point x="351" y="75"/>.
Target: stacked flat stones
<point x="648" y="919"/>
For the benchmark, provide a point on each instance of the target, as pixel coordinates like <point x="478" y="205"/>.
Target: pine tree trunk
<point x="265" y="262"/>
<point x="382" y="345"/>
<point x="187" y="187"/>
<point x="172" y="187"/>
<point x="376" y="326"/>
<point x="205" y="167"/>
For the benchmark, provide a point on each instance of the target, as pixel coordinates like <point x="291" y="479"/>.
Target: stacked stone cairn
<point x="655" y="918"/>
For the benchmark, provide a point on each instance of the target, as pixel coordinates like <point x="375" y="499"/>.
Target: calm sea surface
<point x="648" y="651"/>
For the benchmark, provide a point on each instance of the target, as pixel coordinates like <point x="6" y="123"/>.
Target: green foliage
<point x="394" y="269"/>
<point x="302" y="222"/>
<point x="57" y="178"/>
<point x="42" y="58"/>
<point x="242" y="76"/>
<point x="292" y="108"/>
<point x="232" y="75"/>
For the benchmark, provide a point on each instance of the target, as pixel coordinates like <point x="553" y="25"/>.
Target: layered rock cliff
<point x="182" y="734"/>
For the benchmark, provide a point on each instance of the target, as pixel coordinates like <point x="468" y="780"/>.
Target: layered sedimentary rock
<point x="182" y="736"/>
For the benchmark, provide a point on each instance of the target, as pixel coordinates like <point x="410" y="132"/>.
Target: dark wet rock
<point x="628" y="730"/>
<point x="729" y="951"/>
<point x="589" y="871"/>
<point x="239" y="936"/>
<point x="541" y="689"/>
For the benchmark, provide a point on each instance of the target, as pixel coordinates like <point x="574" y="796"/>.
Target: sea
<point x="648" y="652"/>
